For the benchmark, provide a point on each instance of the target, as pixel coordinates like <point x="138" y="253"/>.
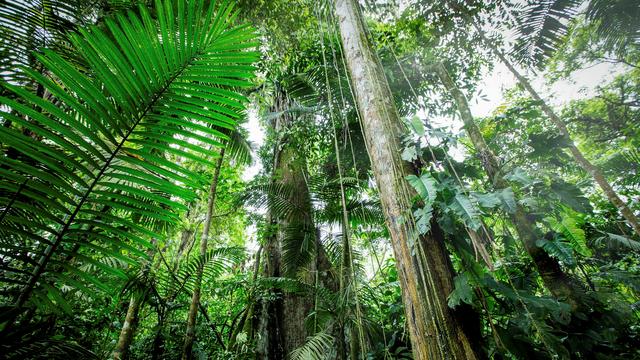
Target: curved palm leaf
<point x="317" y="347"/>
<point x="153" y="89"/>
<point x="29" y="25"/>
<point x="215" y="263"/>
<point x="239" y="148"/>
<point x="543" y="24"/>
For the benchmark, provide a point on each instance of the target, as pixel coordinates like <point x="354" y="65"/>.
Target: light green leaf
<point x="417" y="126"/>
<point x="466" y="210"/>
<point x="520" y="176"/>
<point x="425" y="185"/>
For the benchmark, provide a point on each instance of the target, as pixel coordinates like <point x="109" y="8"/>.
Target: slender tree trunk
<point x="426" y="274"/>
<point x="556" y="281"/>
<point x="195" y="299"/>
<point x="591" y="169"/>
<point x="128" y="329"/>
<point x="348" y="290"/>
<point x="131" y="319"/>
<point x="158" y="340"/>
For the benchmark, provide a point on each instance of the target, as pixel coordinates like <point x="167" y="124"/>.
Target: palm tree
<point x="563" y="131"/>
<point x="542" y="25"/>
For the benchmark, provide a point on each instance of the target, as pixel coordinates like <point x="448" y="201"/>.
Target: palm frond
<point x="541" y="27"/>
<point x="53" y="349"/>
<point x="214" y="264"/>
<point x="617" y="20"/>
<point x="298" y="245"/>
<point x="616" y="241"/>
<point x="239" y="148"/>
<point x="109" y="133"/>
<point x="33" y="24"/>
<point x="317" y="347"/>
<point x="274" y="196"/>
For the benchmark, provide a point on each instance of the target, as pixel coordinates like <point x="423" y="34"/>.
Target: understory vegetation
<point x="320" y="179"/>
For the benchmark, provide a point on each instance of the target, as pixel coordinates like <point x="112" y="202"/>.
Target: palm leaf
<point x="32" y="24"/>
<point x="317" y="347"/>
<point x="543" y="25"/>
<point x="108" y="133"/>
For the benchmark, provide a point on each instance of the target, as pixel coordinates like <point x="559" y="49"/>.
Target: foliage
<point x="115" y="114"/>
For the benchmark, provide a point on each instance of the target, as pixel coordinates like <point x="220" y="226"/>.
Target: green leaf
<point x="466" y="211"/>
<point x="417" y="126"/>
<point x="508" y="199"/>
<point x="102" y="171"/>
<point x="409" y="153"/>
<point x="462" y="291"/>
<point x="569" y="226"/>
<point x="423" y="217"/>
<point x="520" y="176"/>
<point x="487" y="201"/>
<point x="570" y="195"/>
<point x="425" y="185"/>
<point x="623" y="241"/>
<point x="559" y="250"/>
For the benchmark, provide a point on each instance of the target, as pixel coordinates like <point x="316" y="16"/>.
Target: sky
<point x="583" y="84"/>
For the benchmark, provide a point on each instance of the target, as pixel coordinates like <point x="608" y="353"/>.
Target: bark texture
<point x="555" y="279"/>
<point x="281" y="321"/>
<point x="127" y="331"/>
<point x="426" y="274"/>
<point x="131" y="319"/>
<point x="195" y="299"/>
<point x="586" y="165"/>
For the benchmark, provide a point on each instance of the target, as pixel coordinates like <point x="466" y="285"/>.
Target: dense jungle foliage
<point x="320" y="179"/>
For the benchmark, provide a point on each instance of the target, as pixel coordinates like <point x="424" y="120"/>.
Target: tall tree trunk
<point x="556" y="281"/>
<point x="281" y="321"/>
<point x="426" y="275"/>
<point x="195" y="299"/>
<point x="591" y="169"/>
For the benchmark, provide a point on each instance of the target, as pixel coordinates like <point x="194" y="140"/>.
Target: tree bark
<point x="195" y="299"/>
<point x="586" y="165"/>
<point x="281" y="321"/>
<point x="555" y="279"/>
<point x="426" y="275"/>
<point x="128" y="329"/>
<point x="131" y="319"/>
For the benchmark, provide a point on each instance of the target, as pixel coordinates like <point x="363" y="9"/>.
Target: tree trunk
<point x="281" y="321"/>
<point x="195" y="299"/>
<point x="591" y="169"/>
<point x="426" y="275"/>
<point x="128" y="329"/>
<point x="556" y="281"/>
<point x="131" y="319"/>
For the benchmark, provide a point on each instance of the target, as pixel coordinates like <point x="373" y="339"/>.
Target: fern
<point x="559" y="250"/>
<point x="569" y="227"/>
